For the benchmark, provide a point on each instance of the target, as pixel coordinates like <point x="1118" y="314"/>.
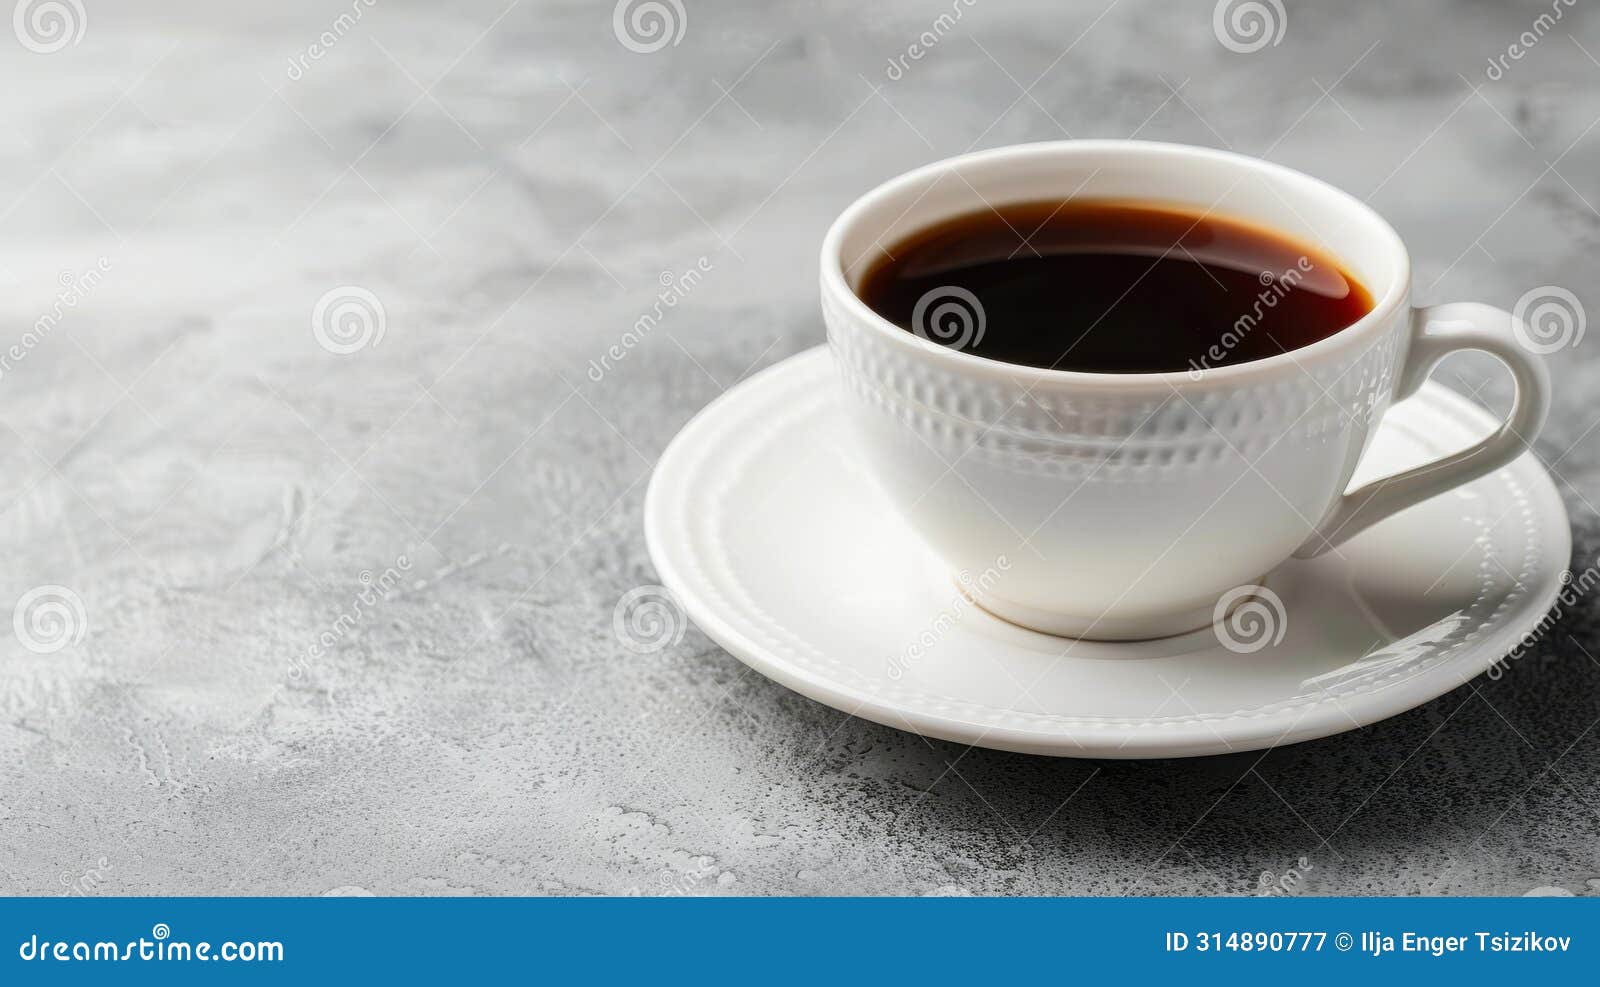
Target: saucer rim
<point x="1128" y="739"/>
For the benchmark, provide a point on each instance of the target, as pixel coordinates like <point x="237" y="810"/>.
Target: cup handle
<point x="1436" y="332"/>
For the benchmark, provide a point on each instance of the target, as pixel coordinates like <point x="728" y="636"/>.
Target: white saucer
<point x="780" y="546"/>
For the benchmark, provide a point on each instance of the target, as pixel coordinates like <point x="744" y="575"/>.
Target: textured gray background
<point x="511" y="182"/>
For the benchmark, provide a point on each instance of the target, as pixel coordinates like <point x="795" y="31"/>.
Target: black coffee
<point x="1112" y="286"/>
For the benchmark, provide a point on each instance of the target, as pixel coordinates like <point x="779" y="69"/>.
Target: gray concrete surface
<point x="215" y="700"/>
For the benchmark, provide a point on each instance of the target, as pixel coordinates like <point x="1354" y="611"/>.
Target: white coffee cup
<point x="1125" y="506"/>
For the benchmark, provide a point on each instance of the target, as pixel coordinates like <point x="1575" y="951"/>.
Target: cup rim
<point x="1383" y="309"/>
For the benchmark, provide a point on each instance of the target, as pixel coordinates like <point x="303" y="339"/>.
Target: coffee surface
<point x="1112" y="286"/>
